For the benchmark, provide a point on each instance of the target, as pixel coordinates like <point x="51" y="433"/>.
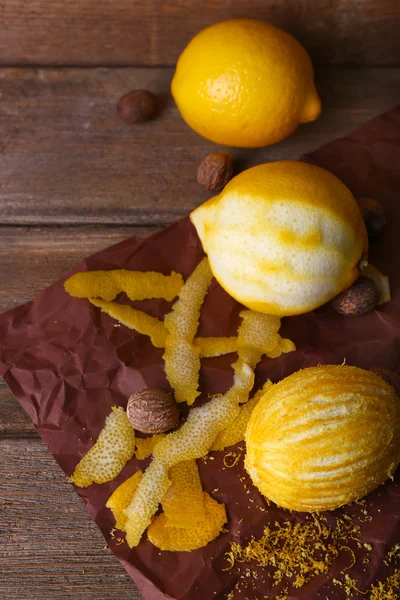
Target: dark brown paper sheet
<point x="68" y="364"/>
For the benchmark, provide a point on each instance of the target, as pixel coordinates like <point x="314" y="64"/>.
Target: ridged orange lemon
<point x="323" y="437"/>
<point x="245" y="83"/>
<point x="283" y="238"/>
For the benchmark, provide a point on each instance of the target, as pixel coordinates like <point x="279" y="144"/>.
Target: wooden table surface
<point x="75" y="179"/>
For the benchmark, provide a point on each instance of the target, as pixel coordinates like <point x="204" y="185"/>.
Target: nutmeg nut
<point x="137" y="106"/>
<point x="373" y="215"/>
<point x="391" y="377"/>
<point x="152" y="411"/>
<point x="358" y="299"/>
<point x="215" y="170"/>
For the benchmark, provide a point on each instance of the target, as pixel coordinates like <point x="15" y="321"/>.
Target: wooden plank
<point x="133" y="32"/>
<point x="70" y="159"/>
<point x="13" y="420"/>
<point x="50" y="546"/>
<point x="32" y="259"/>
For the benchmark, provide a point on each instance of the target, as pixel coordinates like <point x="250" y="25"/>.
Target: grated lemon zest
<point x="299" y="551"/>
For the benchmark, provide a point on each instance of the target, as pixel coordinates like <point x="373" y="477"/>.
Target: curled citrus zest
<point x="121" y="498"/>
<point x="183" y="504"/>
<point x="114" y="447"/>
<point x="137" y="285"/>
<point x="179" y="539"/>
<point x="134" y="319"/>
<point x="182" y="366"/>
<point x="215" y="346"/>
<point x="146" y="499"/>
<point x="195" y="438"/>
<point x="284" y="346"/>
<point x="235" y="432"/>
<point x="381" y="281"/>
<point x="145" y="446"/>
<point x="182" y="360"/>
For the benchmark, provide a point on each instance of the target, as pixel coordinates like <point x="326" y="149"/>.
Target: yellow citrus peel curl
<point x="235" y="432"/>
<point x="145" y="446"/>
<point x="134" y="319"/>
<point x="137" y="285"/>
<point x="183" y="504"/>
<point x="178" y="539"/>
<point x="195" y="438"/>
<point x="114" y="447"/>
<point x="182" y="358"/>
<point x="121" y="498"/>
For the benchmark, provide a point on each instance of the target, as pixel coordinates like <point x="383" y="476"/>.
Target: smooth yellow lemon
<point x="245" y="83"/>
<point x="323" y="437"/>
<point x="283" y="238"/>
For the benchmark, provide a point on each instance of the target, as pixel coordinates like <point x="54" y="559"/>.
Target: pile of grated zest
<point x="297" y="551"/>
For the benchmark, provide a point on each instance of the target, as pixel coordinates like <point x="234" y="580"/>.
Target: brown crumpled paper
<point x="67" y="364"/>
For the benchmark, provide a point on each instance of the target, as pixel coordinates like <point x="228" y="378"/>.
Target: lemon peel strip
<point x="283" y="347"/>
<point x="121" y="498"/>
<point x="215" y="346"/>
<point x="195" y="438"/>
<point x="145" y="446"/>
<point x="178" y="539"/>
<point x="137" y="285"/>
<point x="235" y="432"/>
<point x="182" y="359"/>
<point x="114" y="447"/>
<point x="134" y="319"/>
<point x="183" y="504"/>
<point x="381" y="281"/>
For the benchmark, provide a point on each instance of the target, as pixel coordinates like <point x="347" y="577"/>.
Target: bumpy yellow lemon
<point x="283" y="238"/>
<point x="323" y="437"/>
<point x="245" y="83"/>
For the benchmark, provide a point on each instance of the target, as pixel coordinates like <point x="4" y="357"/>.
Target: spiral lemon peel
<point x="196" y="437"/>
<point x="283" y="347"/>
<point x="121" y="498"/>
<point x="235" y="432"/>
<point x="182" y="359"/>
<point x="114" y="447"/>
<point x="155" y="329"/>
<point x="145" y="446"/>
<point x="183" y="504"/>
<point x="134" y="319"/>
<point x="101" y="287"/>
<point x="137" y="285"/>
<point x="215" y="346"/>
<point x="179" y="539"/>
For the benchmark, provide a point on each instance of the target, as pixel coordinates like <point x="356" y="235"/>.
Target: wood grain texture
<point x="14" y="422"/>
<point x="154" y="32"/>
<point x="32" y="259"/>
<point x="50" y="548"/>
<point x="65" y="156"/>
